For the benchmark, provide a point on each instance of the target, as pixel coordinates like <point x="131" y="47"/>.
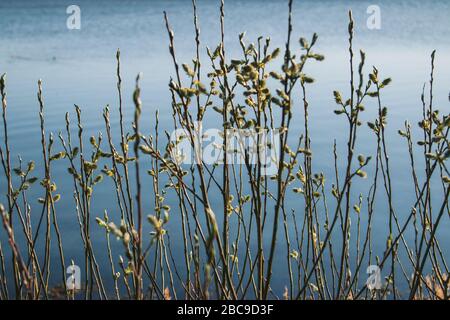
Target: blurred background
<point x="79" y="67"/>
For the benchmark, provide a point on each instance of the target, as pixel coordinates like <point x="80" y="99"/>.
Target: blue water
<point x="78" y="67"/>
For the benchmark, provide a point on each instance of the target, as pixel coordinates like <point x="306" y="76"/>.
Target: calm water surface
<point x="78" y="67"/>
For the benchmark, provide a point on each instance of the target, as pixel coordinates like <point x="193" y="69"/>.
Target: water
<point x="78" y="67"/>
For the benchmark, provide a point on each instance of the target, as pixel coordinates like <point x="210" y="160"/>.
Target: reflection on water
<point x="78" y="67"/>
